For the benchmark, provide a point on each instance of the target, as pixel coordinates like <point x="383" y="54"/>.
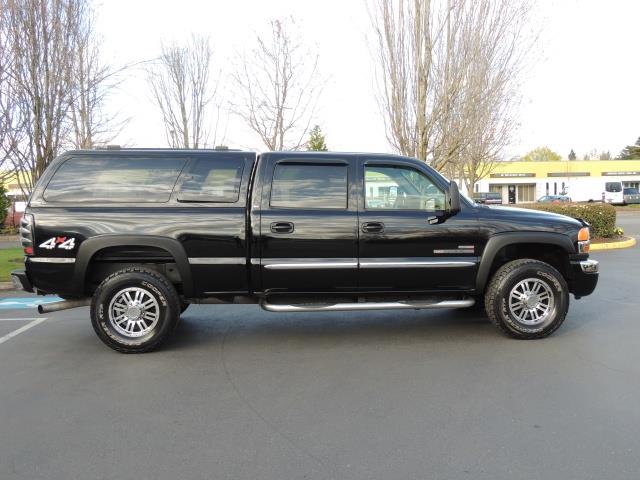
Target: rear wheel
<point x="527" y="299"/>
<point x="134" y="310"/>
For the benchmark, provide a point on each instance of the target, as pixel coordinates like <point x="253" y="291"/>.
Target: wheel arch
<point x="92" y="246"/>
<point x="498" y="243"/>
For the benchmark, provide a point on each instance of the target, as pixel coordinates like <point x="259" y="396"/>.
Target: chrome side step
<point x="340" y="307"/>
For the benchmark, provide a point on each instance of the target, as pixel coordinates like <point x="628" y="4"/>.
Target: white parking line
<point x="18" y="319"/>
<point x="29" y="325"/>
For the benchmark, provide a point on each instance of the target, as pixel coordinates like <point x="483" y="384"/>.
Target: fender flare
<point x="89" y="247"/>
<point x="499" y="241"/>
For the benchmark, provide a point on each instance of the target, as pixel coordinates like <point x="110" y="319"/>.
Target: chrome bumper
<point x="589" y="266"/>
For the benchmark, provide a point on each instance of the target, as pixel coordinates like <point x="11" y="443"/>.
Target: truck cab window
<point x="309" y="185"/>
<point x="212" y="180"/>
<point x="400" y="188"/>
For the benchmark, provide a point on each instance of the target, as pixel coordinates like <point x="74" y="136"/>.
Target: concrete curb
<point x="628" y="242"/>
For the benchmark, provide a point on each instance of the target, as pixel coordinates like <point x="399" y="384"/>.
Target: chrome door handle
<point x="282" y="227"/>
<point x="373" y="227"/>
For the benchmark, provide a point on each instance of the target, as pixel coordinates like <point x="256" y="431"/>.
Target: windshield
<point x="613" y="187"/>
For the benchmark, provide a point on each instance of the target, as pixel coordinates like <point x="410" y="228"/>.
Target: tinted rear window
<point x="309" y="186"/>
<point x="212" y="180"/>
<point x="114" y="180"/>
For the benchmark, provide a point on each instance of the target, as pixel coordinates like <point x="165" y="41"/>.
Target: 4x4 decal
<point x="59" y="242"/>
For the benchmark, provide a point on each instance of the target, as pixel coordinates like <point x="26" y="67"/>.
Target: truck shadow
<point x="202" y="325"/>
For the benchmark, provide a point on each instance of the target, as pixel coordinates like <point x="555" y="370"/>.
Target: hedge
<point x="601" y="216"/>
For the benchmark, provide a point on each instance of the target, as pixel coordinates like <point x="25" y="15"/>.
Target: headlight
<point x="584" y="240"/>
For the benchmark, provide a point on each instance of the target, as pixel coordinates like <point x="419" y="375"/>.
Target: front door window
<point x="400" y="188"/>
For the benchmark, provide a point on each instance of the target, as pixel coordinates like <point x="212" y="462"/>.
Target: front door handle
<point x="282" y="227"/>
<point x="373" y="227"/>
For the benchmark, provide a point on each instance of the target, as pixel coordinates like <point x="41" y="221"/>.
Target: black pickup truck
<point x="139" y="234"/>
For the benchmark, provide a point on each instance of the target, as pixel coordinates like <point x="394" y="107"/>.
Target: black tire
<point x="159" y="317"/>
<point x="511" y="314"/>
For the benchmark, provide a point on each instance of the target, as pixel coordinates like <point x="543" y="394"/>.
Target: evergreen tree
<point x="5" y="203"/>
<point x="631" y="152"/>
<point x="316" y="141"/>
<point x="572" y="155"/>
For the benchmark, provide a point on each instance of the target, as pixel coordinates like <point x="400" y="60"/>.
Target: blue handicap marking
<point x="26" y="302"/>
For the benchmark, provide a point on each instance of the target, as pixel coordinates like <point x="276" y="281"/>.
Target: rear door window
<point x="306" y="185"/>
<point x="215" y="180"/>
<point x="114" y="180"/>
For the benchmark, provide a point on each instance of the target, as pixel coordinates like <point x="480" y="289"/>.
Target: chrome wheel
<point x="531" y="302"/>
<point x="133" y="312"/>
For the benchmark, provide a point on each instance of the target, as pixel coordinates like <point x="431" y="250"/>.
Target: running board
<point x="340" y="307"/>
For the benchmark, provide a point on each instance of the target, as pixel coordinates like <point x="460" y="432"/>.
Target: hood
<point x="540" y="217"/>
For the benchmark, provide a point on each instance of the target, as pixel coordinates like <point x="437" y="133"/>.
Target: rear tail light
<point x="26" y="233"/>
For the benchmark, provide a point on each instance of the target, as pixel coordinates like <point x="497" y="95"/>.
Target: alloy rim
<point x="133" y="312"/>
<point x="531" y="302"/>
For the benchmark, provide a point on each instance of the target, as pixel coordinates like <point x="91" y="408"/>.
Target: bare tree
<point x="278" y="88"/>
<point x="447" y="71"/>
<point x="499" y="46"/>
<point x="93" y="81"/>
<point x="6" y="102"/>
<point x="41" y="41"/>
<point x="182" y="89"/>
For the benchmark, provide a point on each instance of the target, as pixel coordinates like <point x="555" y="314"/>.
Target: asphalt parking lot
<point x="244" y="394"/>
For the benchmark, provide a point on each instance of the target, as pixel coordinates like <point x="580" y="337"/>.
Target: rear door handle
<point x="282" y="227"/>
<point x="373" y="227"/>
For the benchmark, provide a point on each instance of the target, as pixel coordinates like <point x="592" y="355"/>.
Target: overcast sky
<point x="581" y="90"/>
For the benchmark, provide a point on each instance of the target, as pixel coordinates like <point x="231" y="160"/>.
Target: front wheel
<point x="134" y="310"/>
<point x="527" y="299"/>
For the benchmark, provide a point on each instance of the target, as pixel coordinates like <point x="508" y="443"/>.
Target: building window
<point x="555" y="188"/>
<point x="526" y="193"/>
<point x="547" y="189"/>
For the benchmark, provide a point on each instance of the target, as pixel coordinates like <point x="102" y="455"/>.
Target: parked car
<point x="140" y="234"/>
<point x="631" y="195"/>
<point x="488" y="198"/>
<point x="554" y="199"/>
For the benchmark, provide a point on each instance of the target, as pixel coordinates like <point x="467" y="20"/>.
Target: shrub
<point x="601" y="216"/>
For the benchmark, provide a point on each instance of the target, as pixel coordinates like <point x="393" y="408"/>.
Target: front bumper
<point x="21" y="281"/>
<point x="584" y="277"/>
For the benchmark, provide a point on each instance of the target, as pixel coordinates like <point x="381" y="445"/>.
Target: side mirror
<point x="452" y="200"/>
